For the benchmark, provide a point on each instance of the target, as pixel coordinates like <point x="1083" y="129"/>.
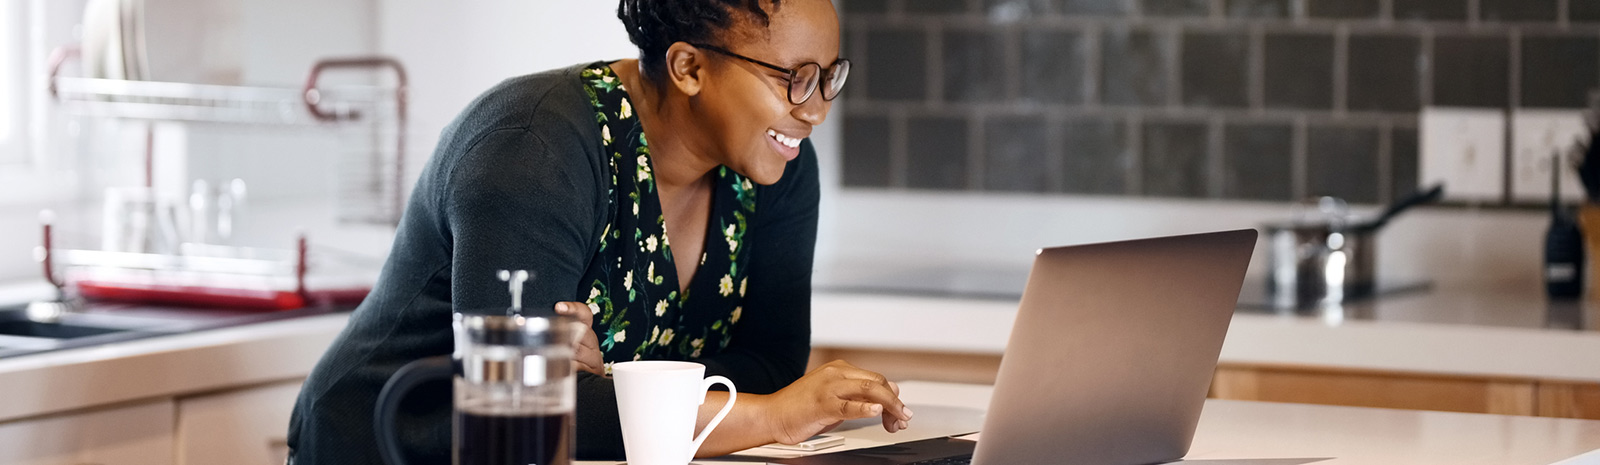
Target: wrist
<point x="764" y="417"/>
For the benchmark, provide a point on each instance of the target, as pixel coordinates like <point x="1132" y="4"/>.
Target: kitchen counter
<point x="1276" y="433"/>
<point x="1450" y="332"/>
<point x="1492" y="335"/>
<point x="167" y="366"/>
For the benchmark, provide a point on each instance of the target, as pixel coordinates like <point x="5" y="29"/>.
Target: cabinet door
<point x="241" y="427"/>
<point x="138" y="434"/>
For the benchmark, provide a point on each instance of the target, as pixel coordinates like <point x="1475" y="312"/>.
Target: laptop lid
<point x="1113" y="349"/>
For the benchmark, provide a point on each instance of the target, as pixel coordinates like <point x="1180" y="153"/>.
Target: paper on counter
<point x="931" y="421"/>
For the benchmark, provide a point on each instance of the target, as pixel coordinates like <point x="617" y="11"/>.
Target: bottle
<point x="1563" y="245"/>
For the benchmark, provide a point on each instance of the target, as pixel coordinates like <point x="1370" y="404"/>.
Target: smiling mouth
<point x="790" y="142"/>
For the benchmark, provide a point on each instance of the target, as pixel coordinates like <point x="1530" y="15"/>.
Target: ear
<point x="686" y="68"/>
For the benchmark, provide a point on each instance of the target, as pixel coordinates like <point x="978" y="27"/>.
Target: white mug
<point x="658" y="403"/>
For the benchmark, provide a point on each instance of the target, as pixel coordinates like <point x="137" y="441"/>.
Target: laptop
<point x="1109" y="360"/>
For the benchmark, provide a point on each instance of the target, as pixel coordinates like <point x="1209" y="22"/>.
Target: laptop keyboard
<point x="962" y="460"/>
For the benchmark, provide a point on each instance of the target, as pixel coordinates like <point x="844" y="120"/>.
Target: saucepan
<point x="1326" y="254"/>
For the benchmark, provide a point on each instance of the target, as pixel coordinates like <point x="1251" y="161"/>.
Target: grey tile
<point x="1258" y="8"/>
<point x="1343" y="9"/>
<point x="866" y="151"/>
<point x="1342" y="161"/>
<point x="936" y="153"/>
<point x="1093" y="7"/>
<point x="1471" y="71"/>
<point x="1430" y="10"/>
<point x="1216" y="69"/>
<point x="1385" y="73"/>
<point x="1298" y="71"/>
<point x="1054" y="66"/>
<point x="1175" y="7"/>
<point x="1175" y="159"/>
<point x="1257" y="161"/>
<point x="1016" y="154"/>
<point x="866" y="6"/>
<point x="1005" y="11"/>
<point x="1559" y="71"/>
<point x="1519" y="10"/>
<point x="1583" y="11"/>
<point x="1095" y="156"/>
<point x="896" y="64"/>
<point x="1134" y="68"/>
<point x="974" y="65"/>
<point x="1403" y="164"/>
<point x="936" y="6"/>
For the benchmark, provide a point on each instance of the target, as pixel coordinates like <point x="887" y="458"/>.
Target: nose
<point x="814" y="110"/>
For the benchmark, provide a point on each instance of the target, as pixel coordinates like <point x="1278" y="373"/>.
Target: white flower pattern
<point x="649" y="299"/>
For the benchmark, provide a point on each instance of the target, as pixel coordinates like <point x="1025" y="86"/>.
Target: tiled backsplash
<point x="1231" y="99"/>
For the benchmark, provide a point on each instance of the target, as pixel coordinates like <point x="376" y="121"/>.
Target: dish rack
<point x="212" y="275"/>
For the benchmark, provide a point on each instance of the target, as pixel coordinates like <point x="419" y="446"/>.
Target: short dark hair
<point x="654" y="25"/>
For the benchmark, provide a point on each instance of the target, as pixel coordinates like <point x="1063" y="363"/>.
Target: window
<point x="13" y="74"/>
<point x="10" y="72"/>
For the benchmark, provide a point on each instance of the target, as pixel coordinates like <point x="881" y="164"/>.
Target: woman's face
<point x="746" y="106"/>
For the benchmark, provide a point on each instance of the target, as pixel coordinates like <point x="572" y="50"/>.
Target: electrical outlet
<point x="1536" y="136"/>
<point x="1464" y="149"/>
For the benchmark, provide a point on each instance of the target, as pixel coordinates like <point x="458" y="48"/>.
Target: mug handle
<point x="403" y="381"/>
<point x="706" y="389"/>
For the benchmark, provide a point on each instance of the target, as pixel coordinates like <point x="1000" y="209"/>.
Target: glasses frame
<point x="822" y="73"/>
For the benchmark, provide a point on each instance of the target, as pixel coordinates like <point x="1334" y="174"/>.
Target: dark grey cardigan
<point x="524" y="165"/>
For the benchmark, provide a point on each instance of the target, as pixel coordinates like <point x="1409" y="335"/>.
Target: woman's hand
<point x="586" y="354"/>
<point x="831" y="394"/>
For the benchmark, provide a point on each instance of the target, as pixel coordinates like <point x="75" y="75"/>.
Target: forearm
<point x="746" y="426"/>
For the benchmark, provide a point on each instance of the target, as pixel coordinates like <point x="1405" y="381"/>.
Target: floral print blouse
<point x="633" y="286"/>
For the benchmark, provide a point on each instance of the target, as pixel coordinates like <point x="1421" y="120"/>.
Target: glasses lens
<point x="804" y="83"/>
<point x="835" y="82"/>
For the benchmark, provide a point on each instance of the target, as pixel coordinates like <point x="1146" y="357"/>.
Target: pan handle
<point x="1417" y="198"/>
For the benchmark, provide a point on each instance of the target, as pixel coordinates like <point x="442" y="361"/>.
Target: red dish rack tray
<point x="211" y="276"/>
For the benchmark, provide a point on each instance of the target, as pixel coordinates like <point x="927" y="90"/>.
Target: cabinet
<point x="130" y="434"/>
<point x="238" y="427"/>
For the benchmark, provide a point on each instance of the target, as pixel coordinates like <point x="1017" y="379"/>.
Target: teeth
<point x="787" y="141"/>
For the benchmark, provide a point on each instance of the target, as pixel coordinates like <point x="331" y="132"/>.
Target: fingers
<point x="857" y="409"/>
<point x="586" y="348"/>
<point x="871" y="387"/>
<point x="852" y="384"/>
<point x="577" y="310"/>
<point x="587" y="355"/>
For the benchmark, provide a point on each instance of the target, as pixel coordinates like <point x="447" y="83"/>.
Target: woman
<point x="581" y="175"/>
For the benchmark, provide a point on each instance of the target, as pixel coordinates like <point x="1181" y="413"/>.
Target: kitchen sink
<point x="88" y="324"/>
<point x="29" y="328"/>
<point x="21" y="331"/>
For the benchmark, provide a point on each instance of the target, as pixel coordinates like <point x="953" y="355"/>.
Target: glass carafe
<point x="513" y="391"/>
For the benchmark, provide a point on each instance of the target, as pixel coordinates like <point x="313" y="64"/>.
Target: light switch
<point x="1536" y="135"/>
<point x="1465" y="149"/>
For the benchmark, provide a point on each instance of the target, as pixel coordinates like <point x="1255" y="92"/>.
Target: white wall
<point x="458" y="49"/>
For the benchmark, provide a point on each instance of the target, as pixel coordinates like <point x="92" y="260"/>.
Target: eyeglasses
<point x="803" y="79"/>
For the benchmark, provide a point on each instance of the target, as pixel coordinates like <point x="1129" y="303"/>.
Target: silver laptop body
<point x="1113" y="349"/>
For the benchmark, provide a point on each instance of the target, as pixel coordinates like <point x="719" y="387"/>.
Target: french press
<point x="513" y="388"/>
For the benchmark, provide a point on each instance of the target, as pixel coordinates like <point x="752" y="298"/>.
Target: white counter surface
<point x="1399" y="338"/>
<point x="1264" y="433"/>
